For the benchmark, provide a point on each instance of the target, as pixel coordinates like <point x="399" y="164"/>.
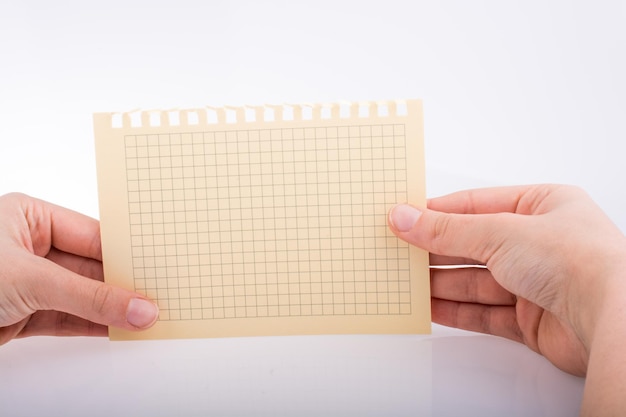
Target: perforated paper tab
<point x="267" y="220"/>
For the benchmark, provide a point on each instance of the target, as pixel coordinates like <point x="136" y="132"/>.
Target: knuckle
<point x="96" y="245"/>
<point x="63" y="321"/>
<point x="485" y="324"/>
<point x="100" y="298"/>
<point x="440" y="231"/>
<point x="472" y="285"/>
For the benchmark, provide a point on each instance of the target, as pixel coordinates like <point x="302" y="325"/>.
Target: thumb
<point x="53" y="287"/>
<point x="471" y="236"/>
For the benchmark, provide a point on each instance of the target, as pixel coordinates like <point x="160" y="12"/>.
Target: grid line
<point x="269" y="222"/>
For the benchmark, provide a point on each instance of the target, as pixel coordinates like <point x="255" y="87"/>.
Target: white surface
<point x="514" y="92"/>
<point x="440" y="375"/>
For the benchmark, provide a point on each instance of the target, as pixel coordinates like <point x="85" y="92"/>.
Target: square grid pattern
<point x="269" y="222"/>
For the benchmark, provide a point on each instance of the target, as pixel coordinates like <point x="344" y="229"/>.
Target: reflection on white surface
<point x="489" y="376"/>
<point x="448" y="373"/>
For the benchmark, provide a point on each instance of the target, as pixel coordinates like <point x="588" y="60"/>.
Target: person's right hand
<point x="51" y="275"/>
<point x="554" y="266"/>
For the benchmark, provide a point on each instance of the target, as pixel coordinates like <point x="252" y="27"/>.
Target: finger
<point x="86" y="267"/>
<point x="442" y="260"/>
<point x="67" y="230"/>
<point x="495" y="320"/>
<point x="468" y="236"/>
<point x="75" y="233"/>
<point x="51" y="287"/>
<point x="482" y="201"/>
<point x="54" y="323"/>
<point x="469" y="285"/>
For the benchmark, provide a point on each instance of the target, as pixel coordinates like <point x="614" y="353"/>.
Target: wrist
<point x="600" y="300"/>
<point x="606" y="337"/>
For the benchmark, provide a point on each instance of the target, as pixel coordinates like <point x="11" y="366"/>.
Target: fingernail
<point x="403" y="217"/>
<point x="141" y="313"/>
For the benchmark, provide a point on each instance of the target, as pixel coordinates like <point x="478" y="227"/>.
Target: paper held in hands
<point x="260" y="221"/>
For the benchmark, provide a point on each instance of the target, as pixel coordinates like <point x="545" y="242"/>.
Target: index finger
<point x="55" y="226"/>
<point x="481" y="200"/>
<point x="75" y="233"/>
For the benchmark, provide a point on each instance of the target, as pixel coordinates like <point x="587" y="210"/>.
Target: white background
<point x="514" y="92"/>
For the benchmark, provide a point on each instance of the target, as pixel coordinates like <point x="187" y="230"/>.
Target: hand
<point x="51" y="273"/>
<point x="551" y="258"/>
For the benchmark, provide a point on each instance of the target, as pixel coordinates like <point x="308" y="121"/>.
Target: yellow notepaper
<point x="264" y="220"/>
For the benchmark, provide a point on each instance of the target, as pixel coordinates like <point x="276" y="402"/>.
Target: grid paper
<point x="267" y="222"/>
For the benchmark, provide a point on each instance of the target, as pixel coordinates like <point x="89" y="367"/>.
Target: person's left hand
<point x="51" y="275"/>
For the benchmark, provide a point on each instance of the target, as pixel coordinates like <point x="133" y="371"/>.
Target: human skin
<point x="51" y="275"/>
<point x="549" y="273"/>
